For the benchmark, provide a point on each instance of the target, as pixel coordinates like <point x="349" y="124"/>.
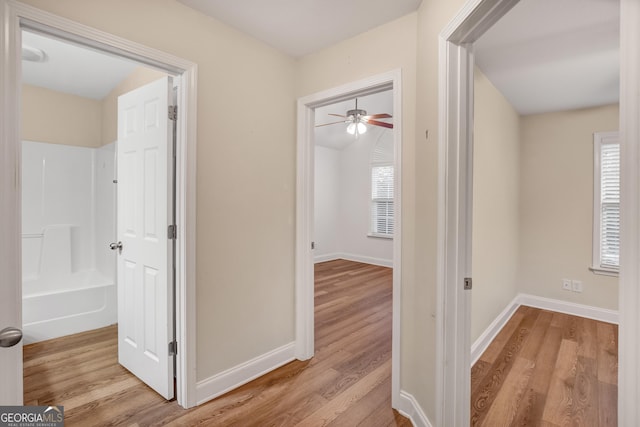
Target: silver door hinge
<point x="172" y="232"/>
<point x="468" y="283"/>
<point x="313" y="245"/>
<point x="173" y="112"/>
<point x="173" y="348"/>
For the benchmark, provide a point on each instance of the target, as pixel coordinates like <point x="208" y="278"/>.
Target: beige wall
<point x="60" y="118"/>
<point x="245" y="257"/>
<point x="496" y="229"/>
<point x="109" y="105"/>
<point x="245" y="288"/>
<point x="419" y="375"/>
<point x="556" y="205"/>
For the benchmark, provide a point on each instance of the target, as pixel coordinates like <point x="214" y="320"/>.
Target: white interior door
<point x="145" y="206"/>
<point x="10" y="315"/>
<point x="10" y="279"/>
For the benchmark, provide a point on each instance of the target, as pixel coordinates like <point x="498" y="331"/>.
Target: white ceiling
<point x="73" y="69"/>
<point x="552" y="55"/>
<point x="335" y="136"/>
<point x="544" y="55"/>
<point x="301" y="27"/>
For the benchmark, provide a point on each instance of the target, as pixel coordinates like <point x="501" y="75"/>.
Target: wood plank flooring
<point x="547" y="369"/>
<point x="347" y="383"/>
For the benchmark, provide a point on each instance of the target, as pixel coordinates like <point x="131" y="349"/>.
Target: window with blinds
<point x="606" y="251"/>
<point x="382" y="186"/>
<point x="382" y="200"/>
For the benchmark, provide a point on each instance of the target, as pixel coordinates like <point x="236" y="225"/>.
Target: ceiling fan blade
<point x="332" y="123"/>
<point x="378" y="116"/>
<point x="383" y="124"/>
<point x="337" y="115"/>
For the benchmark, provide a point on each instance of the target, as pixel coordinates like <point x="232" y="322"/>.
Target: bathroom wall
<point x="60" y="118"/>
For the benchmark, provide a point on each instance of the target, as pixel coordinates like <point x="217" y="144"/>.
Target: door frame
<point x="304" y="263"/>
<point x="455" y="170"/>
<point x="13" y="17"/>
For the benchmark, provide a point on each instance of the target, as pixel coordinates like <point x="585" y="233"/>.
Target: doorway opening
<point x="456" y="122"/>
<point x="305" y="230"/>
<point x="22" y="17"/>
<point x="97" y="197"/>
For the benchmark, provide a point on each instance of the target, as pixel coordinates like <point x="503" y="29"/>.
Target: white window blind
<point x="382" y="199"/>
<point x="606" y="201"/>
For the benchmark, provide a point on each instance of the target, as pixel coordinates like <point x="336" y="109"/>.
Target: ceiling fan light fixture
<point x="351" y="129"/>
<point x="361" y="128"/>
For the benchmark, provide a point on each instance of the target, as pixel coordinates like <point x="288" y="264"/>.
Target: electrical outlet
<point x="566" y="284"/>
<point x="576" y="285"/>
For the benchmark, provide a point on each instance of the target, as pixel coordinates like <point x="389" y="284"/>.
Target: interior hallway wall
<point x="420" y="333"/>
<point x="245" y="172"/>
<point x="496" y="218"/>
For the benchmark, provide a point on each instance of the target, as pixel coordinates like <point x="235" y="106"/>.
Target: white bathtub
<point x="55" y="307"/>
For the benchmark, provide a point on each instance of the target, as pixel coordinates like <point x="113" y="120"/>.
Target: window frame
<point x="372" y="201"/>
<point x="600" y="139"/>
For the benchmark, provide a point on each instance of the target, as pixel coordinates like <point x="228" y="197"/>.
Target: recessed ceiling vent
<point x="33" y="54"/>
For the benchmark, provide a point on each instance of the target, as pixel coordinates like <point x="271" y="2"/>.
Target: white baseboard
<point x="590" y="312"/>
<point x="326" y="257"/>
<point x="483" y="341"/>
<point x="230" y="379"/>
<point x="409" y="407"/>
<point x="355" y="258"/>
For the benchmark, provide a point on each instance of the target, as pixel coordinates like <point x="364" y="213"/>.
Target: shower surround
<point x="68" y="221"/>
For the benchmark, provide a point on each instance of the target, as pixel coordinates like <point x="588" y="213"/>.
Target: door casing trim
<point x="16" y="15"/>
<point x="304" y="276"/>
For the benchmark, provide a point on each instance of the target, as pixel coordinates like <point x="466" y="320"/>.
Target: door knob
<point x="113" y="246"/>
<point x="10" y="337"/>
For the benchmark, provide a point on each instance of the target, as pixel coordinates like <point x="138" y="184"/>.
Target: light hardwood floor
<point x="547" y="369"/>
<point x="347" y="383"/>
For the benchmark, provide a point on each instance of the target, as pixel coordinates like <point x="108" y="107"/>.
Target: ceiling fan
<point x="356" y="120"/>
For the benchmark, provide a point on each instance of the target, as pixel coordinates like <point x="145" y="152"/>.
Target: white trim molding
<point x="600" y="141"/>
<point x="410" y="408"/>
<point x="482" y="342"/>
<point x="232" y="378"/>
<point x="304" y="211"/>
<point x="581" y="310"/>
<point x="567" y="307"/>
<point x="629" y="283"/>
<point x="16" y="15"/>
<point x="455" y="187"/>
<point x="355" y="258"/>
<point x="11" y="391"/>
